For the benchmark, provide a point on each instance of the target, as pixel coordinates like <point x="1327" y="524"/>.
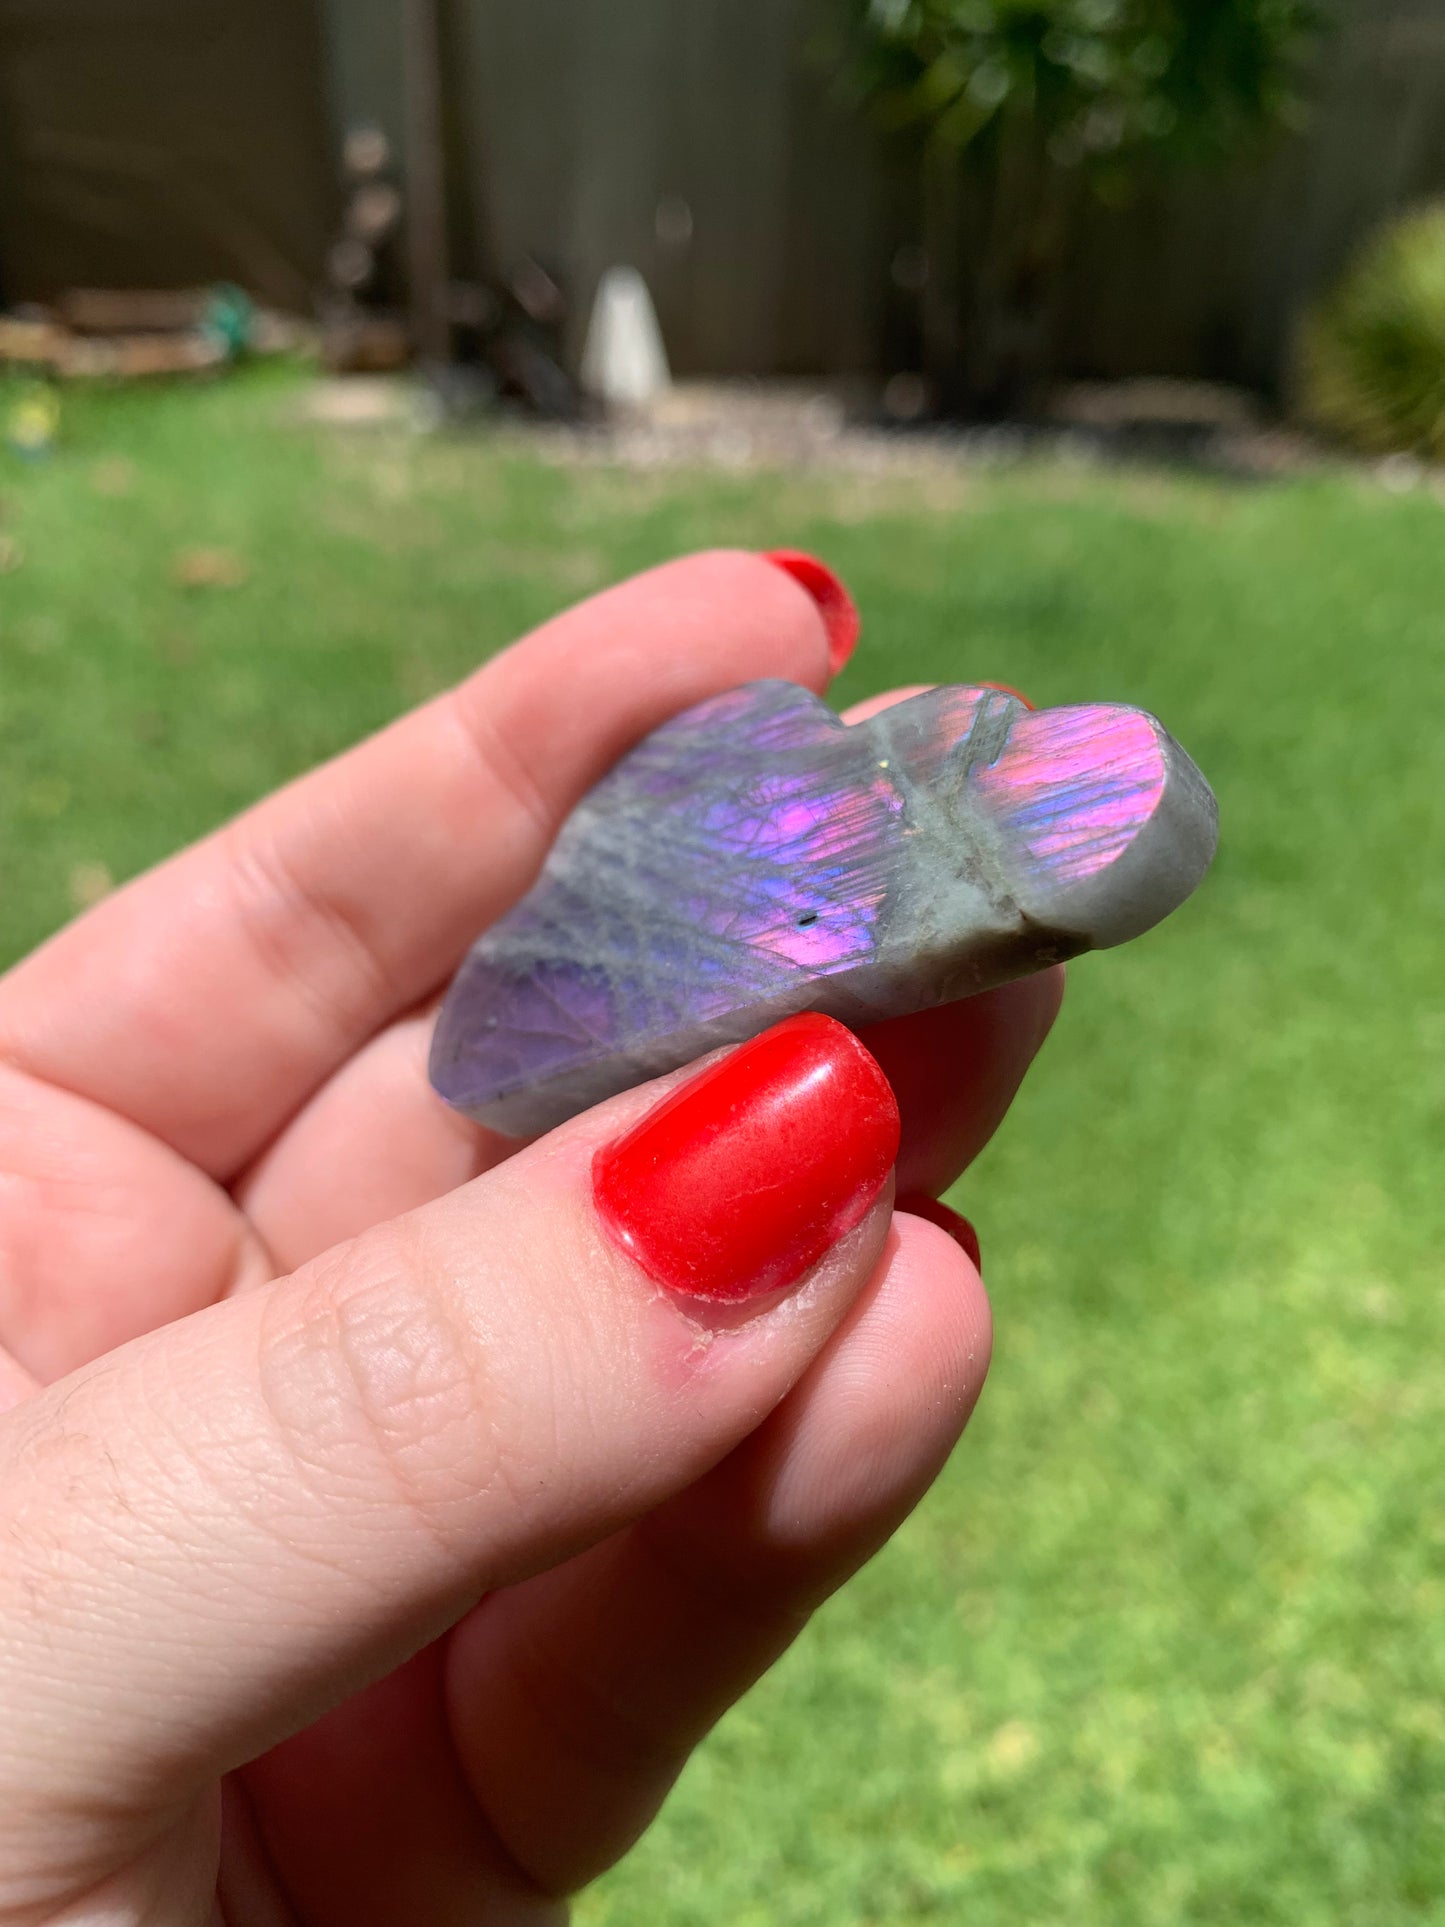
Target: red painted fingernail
<point x="1008" y="690"/>
<point x="841" y="619"/>
<point x="917" y="1205"/>
<point x="740" y="1182"/>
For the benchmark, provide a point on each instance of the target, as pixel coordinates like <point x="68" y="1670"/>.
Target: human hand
<point x="378" y="1538"/>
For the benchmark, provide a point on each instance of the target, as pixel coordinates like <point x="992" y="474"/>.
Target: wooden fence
<point x="163" y="140"/>
<point x="693" y="139"/>
<point x="153" y="143"/>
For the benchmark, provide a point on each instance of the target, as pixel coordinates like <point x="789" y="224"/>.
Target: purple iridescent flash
<point x="757" y="857"/>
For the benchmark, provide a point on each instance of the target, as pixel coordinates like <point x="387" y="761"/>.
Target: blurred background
<point x="1100" y="346"/>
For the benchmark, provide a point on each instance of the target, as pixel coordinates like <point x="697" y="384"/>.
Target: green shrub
<point x="1023" y="107"/>
<point x="1108" y="83"/>
<point x="1372" y="360"/>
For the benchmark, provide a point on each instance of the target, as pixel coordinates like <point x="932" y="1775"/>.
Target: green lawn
<point x="1166" y="1643"/>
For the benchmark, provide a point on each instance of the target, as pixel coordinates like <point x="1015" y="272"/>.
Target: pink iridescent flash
<point x="1075" y="786"/>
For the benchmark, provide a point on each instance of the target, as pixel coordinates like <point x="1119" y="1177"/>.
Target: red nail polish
<point x="743" y="1179"/>
<point x="841" y="619"/>
<point x="1008" y="689"/>
<point x="917" y="1205"/>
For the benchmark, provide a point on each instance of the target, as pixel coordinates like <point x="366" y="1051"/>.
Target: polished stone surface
<point x="756" y="857"/>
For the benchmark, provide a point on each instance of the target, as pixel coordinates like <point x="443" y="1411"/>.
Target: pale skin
<point x="375" y="1541"/>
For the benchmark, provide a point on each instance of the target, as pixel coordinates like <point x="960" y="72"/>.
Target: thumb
<point x="222" y="1529"/>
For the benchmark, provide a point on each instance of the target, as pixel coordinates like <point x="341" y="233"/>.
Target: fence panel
<point x="156" y="141"/>
<point x="689" y="138"/>
<point x="150" y="143"/>
<point x="575" y="120"/>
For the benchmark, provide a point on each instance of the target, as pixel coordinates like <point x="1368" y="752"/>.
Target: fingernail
<point x="917" y="1205"/>
<point x="841" y="619"/>
<point x="1008" y="690"/>
<point x="742" y="1180"/>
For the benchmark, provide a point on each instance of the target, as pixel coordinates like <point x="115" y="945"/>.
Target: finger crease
<point x="290" y="923"/>
<point x="489" y="746"/>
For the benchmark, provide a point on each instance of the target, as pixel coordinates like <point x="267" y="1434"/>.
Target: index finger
<point x="209" y="998"/>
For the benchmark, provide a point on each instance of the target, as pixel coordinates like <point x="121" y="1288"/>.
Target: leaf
<point x="115" y="476"/>
<point x="88" y="883"/>
<point x="209" y="569"/>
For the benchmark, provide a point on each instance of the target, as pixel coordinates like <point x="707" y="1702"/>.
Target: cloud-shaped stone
<point x="756" y="857"/>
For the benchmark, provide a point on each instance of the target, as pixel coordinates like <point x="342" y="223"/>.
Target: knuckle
<point x="290" y="918"/>
<point x="380" y="1385"/>
<point x="493" y="756"/>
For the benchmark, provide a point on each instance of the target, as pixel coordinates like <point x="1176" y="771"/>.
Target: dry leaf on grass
<point x="11" y="555"/>
<point x="209" y="569"/>
<point x="178" y="649"/>
<point x="116" y="475"/>
<point x="88" y="883"/>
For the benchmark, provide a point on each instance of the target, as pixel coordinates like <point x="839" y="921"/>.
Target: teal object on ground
<point x="229" y="318"/>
